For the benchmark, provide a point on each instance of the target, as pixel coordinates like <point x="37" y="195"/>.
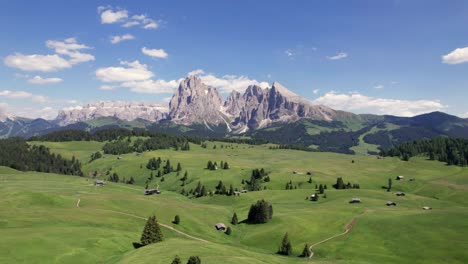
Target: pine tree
<point x="176" y="220"/>
<point x="179" y="167"/>
<point x="151" y="233"/>
<point x="305" y="251"/>
<point x="176" y="260"/>
<point x="194" y="259"/>
<point x="285" y="247"/>
<point x="234" y="220"/>
<point x="228" y="231"/>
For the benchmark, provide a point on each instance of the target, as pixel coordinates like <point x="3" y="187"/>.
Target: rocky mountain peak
<point x="4" y="116"/>
<point x="196" y="102"/>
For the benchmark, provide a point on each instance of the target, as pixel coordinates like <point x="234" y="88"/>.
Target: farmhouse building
<point x="220" y="227"/>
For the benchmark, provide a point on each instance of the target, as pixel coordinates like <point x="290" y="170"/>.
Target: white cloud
<point x="316" y="91"/>
<point x="35" y="62"/>
<point x="133" y="72"/>
<point x="196" y="72"/>
<point x="70" y="47"/>
<point x="359" y="103"/>
<point x="155" y="53"/>
<point x="130" y="24"/>
<point x="227" y="83"/>
<point x="110" y="17"/>
<point x="22" y="95"/>
<point x="465" y="115"/>
<point x="39" y="80"/>
<point x="151" y="86"/>
<point x="52" y="62"/>
<point x="457" y="56"/>
<point x="289" y="53"/>
<point x="151" y="25"/>
<point x="379" y="87"/>
<point x="117" y="39"/>
<point x="139" y="17"/>
<point x="338" y="56"/>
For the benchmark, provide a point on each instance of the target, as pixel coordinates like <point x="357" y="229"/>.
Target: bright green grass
<point x="39" y="210"/>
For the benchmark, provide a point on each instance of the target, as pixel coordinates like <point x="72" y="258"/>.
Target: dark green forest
<point x="17" y="154"/>
<point x="453" y="151"/>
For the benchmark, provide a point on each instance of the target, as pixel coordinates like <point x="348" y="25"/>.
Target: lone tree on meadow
<point x="176" y="260"/>
<point x="260" y="213"/>
<point x="176" y="220"/>
<point x="305" y="251"/>
<point x="151" y="233"/>
<point x="228" y="231"/>
<point x="194" y="260"/>
<point x="285" y="247"/>
<point x="234" y="220"/>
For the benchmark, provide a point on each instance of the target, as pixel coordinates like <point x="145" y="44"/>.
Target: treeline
<point x="17" y="154"/>
<point x="453" y="151"/>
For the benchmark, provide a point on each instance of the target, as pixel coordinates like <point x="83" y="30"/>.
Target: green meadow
<point x="40" y="221"/>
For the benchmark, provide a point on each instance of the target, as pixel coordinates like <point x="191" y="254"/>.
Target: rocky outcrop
<point x="122" y="110"/>
<point x="196" y="103"/>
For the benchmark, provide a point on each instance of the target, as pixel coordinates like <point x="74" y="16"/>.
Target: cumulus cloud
<point x="196" y="72"/>
<point x="51" y="62"/>
<point x="118" y="39"/>
<point x="316" y="91"/>
<point x="457" y="56"/>
<point x="359" y="103"/>
<point x="36" y="62"/>
<point x="155" y="53"/>
<point x="109" y="16"/>
<point x="134" y="71"/>
<point x="151" y="86"/>
<point x="39" y="80"/>
<point x="228" y="83"/>
<point x="338" y="56"/>
<point x="22" y="95"/>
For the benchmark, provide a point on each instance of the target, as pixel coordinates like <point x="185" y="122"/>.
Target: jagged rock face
<point x="258" y="107"/>
<point x="122" y="110"/>
<point x="196" y="103"/>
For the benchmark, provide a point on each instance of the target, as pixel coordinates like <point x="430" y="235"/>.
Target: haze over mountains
<point x="266" y="113"/>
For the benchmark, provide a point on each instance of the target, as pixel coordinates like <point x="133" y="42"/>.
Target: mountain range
<point x="274" y="113"/>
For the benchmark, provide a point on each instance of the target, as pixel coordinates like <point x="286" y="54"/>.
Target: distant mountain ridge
<point x="274" y="113"/>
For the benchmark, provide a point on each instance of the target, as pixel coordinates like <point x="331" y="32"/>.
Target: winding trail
<point x="78" y="203"/>
<point x="349" y="226"/>
<point x="161" y="224"/>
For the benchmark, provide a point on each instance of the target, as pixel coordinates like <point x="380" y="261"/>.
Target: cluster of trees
<point x="16" y="153"/>
<point x="191" y="260"/>
<point x="322" y="187"/>
<point x="155" y="164"/>
<point x="257" y="177"/>
<point x="95" y="156"/>
<point x="339" y="185"/>
<point x="214" y="165"/>
<point x="453" y="151"/>
<point x="114" y="177"/>
<point x="295" y="147"/>
<point x="290" y="186"/>
<point x="260" y="212"/>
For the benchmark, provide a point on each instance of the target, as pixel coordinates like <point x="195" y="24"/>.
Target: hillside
<point x="47" y="219"/>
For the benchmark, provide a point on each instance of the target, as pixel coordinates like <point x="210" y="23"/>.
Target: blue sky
<point x="381" y="57"/>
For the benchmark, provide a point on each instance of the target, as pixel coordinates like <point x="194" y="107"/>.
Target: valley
<point x="40" y="219"/>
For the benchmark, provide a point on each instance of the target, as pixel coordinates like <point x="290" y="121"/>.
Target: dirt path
<point x="161" y="224"/>
<point x="78" y="203"/>
<point x="349" y="226"/>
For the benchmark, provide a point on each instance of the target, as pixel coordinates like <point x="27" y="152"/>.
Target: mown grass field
<point x="40" y="222"/>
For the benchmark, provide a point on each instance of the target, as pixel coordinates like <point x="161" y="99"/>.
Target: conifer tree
<point x="176" y="260"/>
<point x="305" y="251"/>
<point x="285" y="247"/>
<point x="194" y="259"/>
<point x="228" y="231"/>
<point x="234" y="220"/>
<point x="152" y="232"/>
<point x="176" y="220"/>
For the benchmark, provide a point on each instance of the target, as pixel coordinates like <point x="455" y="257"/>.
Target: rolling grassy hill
<point x="40" y="220"/>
